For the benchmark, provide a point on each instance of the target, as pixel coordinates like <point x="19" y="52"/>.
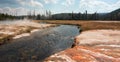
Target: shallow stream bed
<point x="39" y="45"/>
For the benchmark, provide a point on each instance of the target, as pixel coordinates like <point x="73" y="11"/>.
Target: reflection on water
<point x="39" y="45"/>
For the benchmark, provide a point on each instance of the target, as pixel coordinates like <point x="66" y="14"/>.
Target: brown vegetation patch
<point x="88" y="25"/>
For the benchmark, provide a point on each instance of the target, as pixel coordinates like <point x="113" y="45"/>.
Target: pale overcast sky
<point x="21" y="7"/>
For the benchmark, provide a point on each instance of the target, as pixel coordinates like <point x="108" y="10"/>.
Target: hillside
<point x="114" y="15"/>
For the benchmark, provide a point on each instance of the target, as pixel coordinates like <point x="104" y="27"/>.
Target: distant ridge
<point x="116" y="11"/>
<point x="114" y="15"/>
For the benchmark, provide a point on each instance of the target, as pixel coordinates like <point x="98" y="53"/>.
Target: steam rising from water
<point x="8" y="22"/>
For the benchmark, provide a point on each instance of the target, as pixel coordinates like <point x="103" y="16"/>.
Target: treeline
<point x="6" y="16"/>
<point x="114" y="15"/>
<point x="75" y="16"/>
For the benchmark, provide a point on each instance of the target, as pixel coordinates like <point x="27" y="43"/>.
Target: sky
<point x="23" y="7"/>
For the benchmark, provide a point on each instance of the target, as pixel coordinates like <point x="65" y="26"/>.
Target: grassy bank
<point x="88" y="25"/>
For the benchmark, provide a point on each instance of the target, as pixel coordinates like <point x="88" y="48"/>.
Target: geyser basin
<point x="39" y="45"/>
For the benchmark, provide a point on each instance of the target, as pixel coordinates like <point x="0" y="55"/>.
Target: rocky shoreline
<point x="91" y="46"/>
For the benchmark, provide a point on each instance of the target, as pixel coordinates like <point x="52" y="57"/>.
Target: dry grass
<point x="88" y="25"/>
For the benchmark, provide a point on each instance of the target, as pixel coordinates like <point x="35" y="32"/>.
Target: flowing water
<point x="39" y="45"/>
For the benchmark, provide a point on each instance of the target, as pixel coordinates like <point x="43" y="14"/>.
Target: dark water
<point x="39" y="45"/>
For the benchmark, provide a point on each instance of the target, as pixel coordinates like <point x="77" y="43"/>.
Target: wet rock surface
<point x="92" y="46"/>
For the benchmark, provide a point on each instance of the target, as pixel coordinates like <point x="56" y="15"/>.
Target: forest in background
<point x="114" y="15"/>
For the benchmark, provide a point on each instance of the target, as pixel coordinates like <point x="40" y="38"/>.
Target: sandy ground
<point x="97" y="37"/>
<point x="92" y="46"/>
<point x="19" y="29"/>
